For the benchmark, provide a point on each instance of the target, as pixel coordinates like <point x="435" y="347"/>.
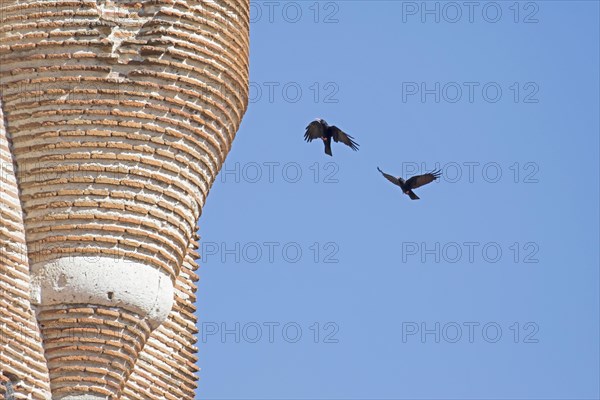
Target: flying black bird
<point x="413" y="183"/>
<point x="319" y="129"/>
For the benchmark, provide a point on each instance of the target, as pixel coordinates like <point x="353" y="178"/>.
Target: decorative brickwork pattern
<point x="117" y="116"/>
<point x="21" y="352"/>
<point x="175" y="337"/>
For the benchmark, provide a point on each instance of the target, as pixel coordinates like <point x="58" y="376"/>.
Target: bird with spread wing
<point x="319" y="129"/>
<point x="413" y="182"/>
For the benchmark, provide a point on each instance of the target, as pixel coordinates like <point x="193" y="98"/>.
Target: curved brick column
<point x="120" y="116"/>
<point x="21" y="352"/>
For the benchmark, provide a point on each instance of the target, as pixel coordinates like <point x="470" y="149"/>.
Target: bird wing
<point x="314" y="130"/>
<point x="340" y="136"/>
<point x="328" y="147"/>
<point x="390" y="178"/>
<point x="420" y="180"/>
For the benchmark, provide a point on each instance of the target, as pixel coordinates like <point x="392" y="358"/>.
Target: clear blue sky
<point x="389" y="269"/>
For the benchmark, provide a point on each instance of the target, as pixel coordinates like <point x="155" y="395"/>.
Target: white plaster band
<point x="104" y="281"/>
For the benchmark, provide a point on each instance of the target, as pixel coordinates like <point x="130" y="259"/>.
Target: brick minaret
<point x="116" y="118"/>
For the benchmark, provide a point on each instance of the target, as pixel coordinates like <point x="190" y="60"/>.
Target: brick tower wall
<point x="117" y="116"/>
